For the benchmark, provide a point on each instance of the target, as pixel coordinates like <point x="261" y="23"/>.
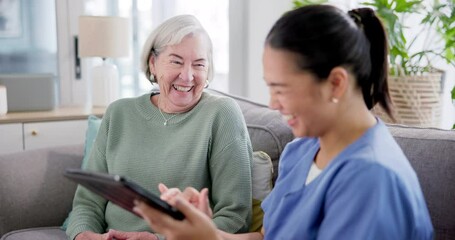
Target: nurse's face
<point x="295" y="93"/>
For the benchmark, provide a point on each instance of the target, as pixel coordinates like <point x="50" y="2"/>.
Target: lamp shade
<point x="103" y="36"/>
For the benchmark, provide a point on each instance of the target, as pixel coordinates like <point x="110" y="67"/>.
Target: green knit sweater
<point x="208" y="146"/>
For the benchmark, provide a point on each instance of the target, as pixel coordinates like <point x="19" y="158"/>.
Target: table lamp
<point x="105" y="37"/>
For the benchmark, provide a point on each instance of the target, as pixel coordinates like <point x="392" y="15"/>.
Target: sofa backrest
<point x="432" y="155"/>
<point x="33" y="190"/>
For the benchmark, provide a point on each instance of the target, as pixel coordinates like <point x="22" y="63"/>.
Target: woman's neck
<point x="157" y="100"/>
<point x="346" y="129"/>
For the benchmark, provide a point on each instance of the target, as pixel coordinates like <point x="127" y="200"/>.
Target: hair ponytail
<point x="376" y="89"/>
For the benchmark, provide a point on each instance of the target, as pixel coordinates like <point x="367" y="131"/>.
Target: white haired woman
<point x="177" y="137"/>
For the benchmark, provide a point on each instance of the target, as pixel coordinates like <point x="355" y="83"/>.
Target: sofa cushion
<point x="34" y="189"/>
<point x="48" y="233"/>
<point x="262" y="174"/>
<point x="431" y="153"/>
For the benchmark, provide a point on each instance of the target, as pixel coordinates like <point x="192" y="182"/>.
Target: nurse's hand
<point x="198" y="199"/>
<point x="196" y="225"/>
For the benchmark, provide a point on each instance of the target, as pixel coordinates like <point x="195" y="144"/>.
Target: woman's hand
<point x="114" y="234"/>
<point x="119" y="235"/>
<point x="196" y="225"/>
<point x="198" y="199"/>
<point x="88" y="235"/>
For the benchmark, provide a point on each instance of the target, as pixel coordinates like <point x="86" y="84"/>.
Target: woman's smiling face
<point x="181" y="71"/>
<point x="296" y="94"/>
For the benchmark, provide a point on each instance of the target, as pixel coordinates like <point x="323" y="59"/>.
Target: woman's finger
<point x="192" y="195"/>
<point x="167" y="194"/>
<point x="204" y="204"/>
<point x="163" y="188"/>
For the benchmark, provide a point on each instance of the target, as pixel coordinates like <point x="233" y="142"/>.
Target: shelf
<point x="59" y="114"/>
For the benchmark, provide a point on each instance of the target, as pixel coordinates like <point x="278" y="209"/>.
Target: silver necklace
<point x="162" y="115"/>
<point x="166" y="120"/>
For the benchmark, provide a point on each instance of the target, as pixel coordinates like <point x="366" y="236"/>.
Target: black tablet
<point x="120" y="191"/>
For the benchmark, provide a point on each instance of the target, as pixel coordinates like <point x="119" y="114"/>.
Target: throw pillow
<point x="262" y="173"/>
<point x="90" y="135"/>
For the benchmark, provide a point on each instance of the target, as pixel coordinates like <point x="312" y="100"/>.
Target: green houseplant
<point x="437" y="21"/>
<point x="415" y="84"/>
<point x="438" y="26"/>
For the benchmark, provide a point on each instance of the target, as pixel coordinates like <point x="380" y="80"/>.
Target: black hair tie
<point x="354" y="14"/>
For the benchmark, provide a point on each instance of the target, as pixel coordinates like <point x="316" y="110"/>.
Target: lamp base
<point x="105" y="88"/>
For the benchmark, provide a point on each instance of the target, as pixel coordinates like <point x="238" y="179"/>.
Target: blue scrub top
<point x="369" y="191"/>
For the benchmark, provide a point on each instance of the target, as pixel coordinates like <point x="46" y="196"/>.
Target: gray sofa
<point x="35" y="198"/>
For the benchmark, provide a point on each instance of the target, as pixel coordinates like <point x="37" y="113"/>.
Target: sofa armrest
<point x="33" y="190"/>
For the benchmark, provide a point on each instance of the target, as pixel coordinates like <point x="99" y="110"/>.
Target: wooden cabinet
<point x="32" y="130"/>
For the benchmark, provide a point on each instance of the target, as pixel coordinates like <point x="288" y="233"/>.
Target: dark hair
<point x="324" y="37"/>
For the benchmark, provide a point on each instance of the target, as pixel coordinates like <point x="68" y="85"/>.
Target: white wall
<point x="261" y="18"/>
<point x="248" y="31"/>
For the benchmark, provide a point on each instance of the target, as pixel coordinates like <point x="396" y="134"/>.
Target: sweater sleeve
<point x="88" y="208"/>
<point x="230" y="170"/>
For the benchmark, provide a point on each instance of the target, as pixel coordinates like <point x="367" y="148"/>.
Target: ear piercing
<point x="334" y="100"/>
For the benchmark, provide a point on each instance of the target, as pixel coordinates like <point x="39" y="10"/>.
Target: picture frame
<point x="10" y="19"/>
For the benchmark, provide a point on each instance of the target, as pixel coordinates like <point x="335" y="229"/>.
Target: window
<point x="28" y="37"/>
<point x="145" y="15"/>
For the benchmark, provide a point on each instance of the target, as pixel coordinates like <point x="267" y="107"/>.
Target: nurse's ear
<point x="338" y="80"/>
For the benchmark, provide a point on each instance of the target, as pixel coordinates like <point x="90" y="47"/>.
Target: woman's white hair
<point x="171" y="32"/>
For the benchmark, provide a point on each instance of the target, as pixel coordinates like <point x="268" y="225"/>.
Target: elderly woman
<point x="179" y="136"/>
